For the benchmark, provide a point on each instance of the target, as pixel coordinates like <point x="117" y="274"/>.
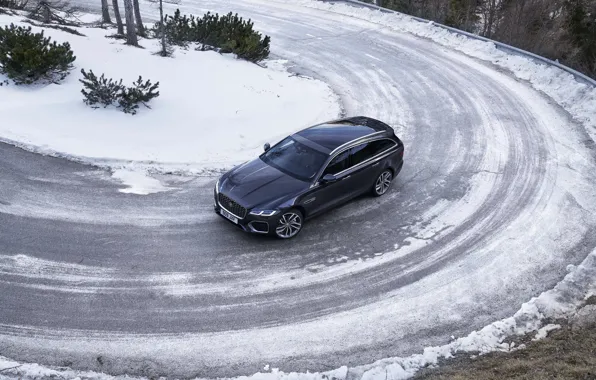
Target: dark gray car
<point x="308" y="173"/>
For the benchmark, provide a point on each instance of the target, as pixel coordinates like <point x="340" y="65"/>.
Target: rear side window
<point x="338" y="164"/>
<point x="365" y="151"/>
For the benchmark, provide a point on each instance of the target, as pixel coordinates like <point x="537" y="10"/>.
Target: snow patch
<point x="213" y="112"/>
<point x="543" y="331"/>
<point x="138" y="182"/>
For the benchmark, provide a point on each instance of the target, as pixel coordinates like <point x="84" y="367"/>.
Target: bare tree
<point x="117" y="17"/>
<point x="131" y="31"/>
<point x="105" y="12"/>
<point x="564" y="30"/>
<point x="138" y="18"/>
<point x="14" y="4"/>
<point x="462" y="14"/>
<point x="489" y="9"/>
<point x="164" y="46"/>
<point x="530" y="24"/>
<point x="46" y="11"/>
<point x="61" y="12"/>
<point x="166" y="49"/>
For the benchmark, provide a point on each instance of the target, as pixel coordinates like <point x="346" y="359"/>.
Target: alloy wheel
<point x="383" y="182"/>
<point x="289" y="225"/>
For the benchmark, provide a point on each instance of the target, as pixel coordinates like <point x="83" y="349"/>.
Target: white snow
<point x="373" y="57"/>
<point x="543" y="331"/>
<point x="138" y="182"/>
<point x="214" y="111"/>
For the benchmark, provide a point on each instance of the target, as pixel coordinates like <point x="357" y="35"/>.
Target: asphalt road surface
<point x="494" y="202"/>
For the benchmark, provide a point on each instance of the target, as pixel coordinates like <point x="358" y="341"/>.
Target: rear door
<point x="356" y="168"/>
<point x="366" y="164"/>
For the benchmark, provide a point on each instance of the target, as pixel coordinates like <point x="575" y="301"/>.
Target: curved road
<point x="494" y="202"/>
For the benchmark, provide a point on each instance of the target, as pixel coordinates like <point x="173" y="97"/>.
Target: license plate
<point x="229" y="216"/>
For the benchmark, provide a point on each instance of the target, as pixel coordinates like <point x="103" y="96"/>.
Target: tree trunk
<point x="131" y="31"/>
<point x="491" y="18"/>
<point x="140" y="26"/>
<point x="47" y="13"/>
<point x="105" y="12"/>
<point x="164" y="50"/>
<point x="117" y="16"/>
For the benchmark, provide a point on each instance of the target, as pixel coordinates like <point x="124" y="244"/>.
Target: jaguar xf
<point x="307" y="173"/>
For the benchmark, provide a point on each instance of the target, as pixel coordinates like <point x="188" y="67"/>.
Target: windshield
<point x="295" y="159"/>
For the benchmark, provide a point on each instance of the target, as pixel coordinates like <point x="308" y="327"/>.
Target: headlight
<point x="263" y="212"/>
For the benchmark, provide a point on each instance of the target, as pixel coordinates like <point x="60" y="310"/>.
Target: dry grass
<point x="564" y="354"/>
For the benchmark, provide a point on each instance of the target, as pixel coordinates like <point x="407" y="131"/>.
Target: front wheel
<point x="289" y="224"/>
<point x="383" y="182"/>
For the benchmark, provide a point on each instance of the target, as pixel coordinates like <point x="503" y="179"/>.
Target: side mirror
<point x="328" y="178"/>
<point x="266" y="147"/>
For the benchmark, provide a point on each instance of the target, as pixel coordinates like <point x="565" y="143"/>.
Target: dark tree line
<point x="563" y="30"/>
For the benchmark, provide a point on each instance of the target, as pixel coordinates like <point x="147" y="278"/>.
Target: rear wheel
<point x="383" y="182"/>
<point x="289" y="224"/>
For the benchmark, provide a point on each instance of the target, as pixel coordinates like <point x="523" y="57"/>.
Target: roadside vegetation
<point x="28" y="58"/>
<point x="566" y="353"/>
<point x="108" y="92"/>
<point x="563" y="30"/>
<point x="226" y="33"/>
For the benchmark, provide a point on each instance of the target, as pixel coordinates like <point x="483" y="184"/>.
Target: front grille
<point x="232" y="206"/>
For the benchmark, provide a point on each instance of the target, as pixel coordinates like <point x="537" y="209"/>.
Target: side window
<point x="381" y="145"/>
<point x="339" y="163"/>
<point x="365" y="151"/>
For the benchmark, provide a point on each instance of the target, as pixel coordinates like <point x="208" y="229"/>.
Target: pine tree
<point x="100" y="90"/>
<point x="27" y="57"/>
<point x="106" y="92"/>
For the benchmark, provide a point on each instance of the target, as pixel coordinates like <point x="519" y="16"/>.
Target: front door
<point x="326" y="195"/>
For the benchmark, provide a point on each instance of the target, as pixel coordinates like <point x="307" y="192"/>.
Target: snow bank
<point x="560" y="302"/>
<point x="579" y="99"/>
<point x="213" y="112"/>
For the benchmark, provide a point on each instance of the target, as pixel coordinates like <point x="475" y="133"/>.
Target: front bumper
<point x="255" y="224"/>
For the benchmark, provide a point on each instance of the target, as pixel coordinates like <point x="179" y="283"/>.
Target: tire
<point x="290" y="224"/>
<point x="382" y="183"/>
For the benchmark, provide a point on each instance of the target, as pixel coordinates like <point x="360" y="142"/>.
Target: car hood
<point x="256" y="183"/>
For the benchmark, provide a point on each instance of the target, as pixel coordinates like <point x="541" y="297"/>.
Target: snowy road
<point x="494" y="202"/>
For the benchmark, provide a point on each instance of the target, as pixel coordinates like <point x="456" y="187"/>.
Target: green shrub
<point x="140" y="92"/>
<point x="27" y="57"/>
<point x="227" y="34"/>
<point x="108" y="92"/>
<point x="178" y="29"/>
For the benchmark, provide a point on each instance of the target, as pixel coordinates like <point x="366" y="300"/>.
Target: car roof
<point x="333" y="134"/>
